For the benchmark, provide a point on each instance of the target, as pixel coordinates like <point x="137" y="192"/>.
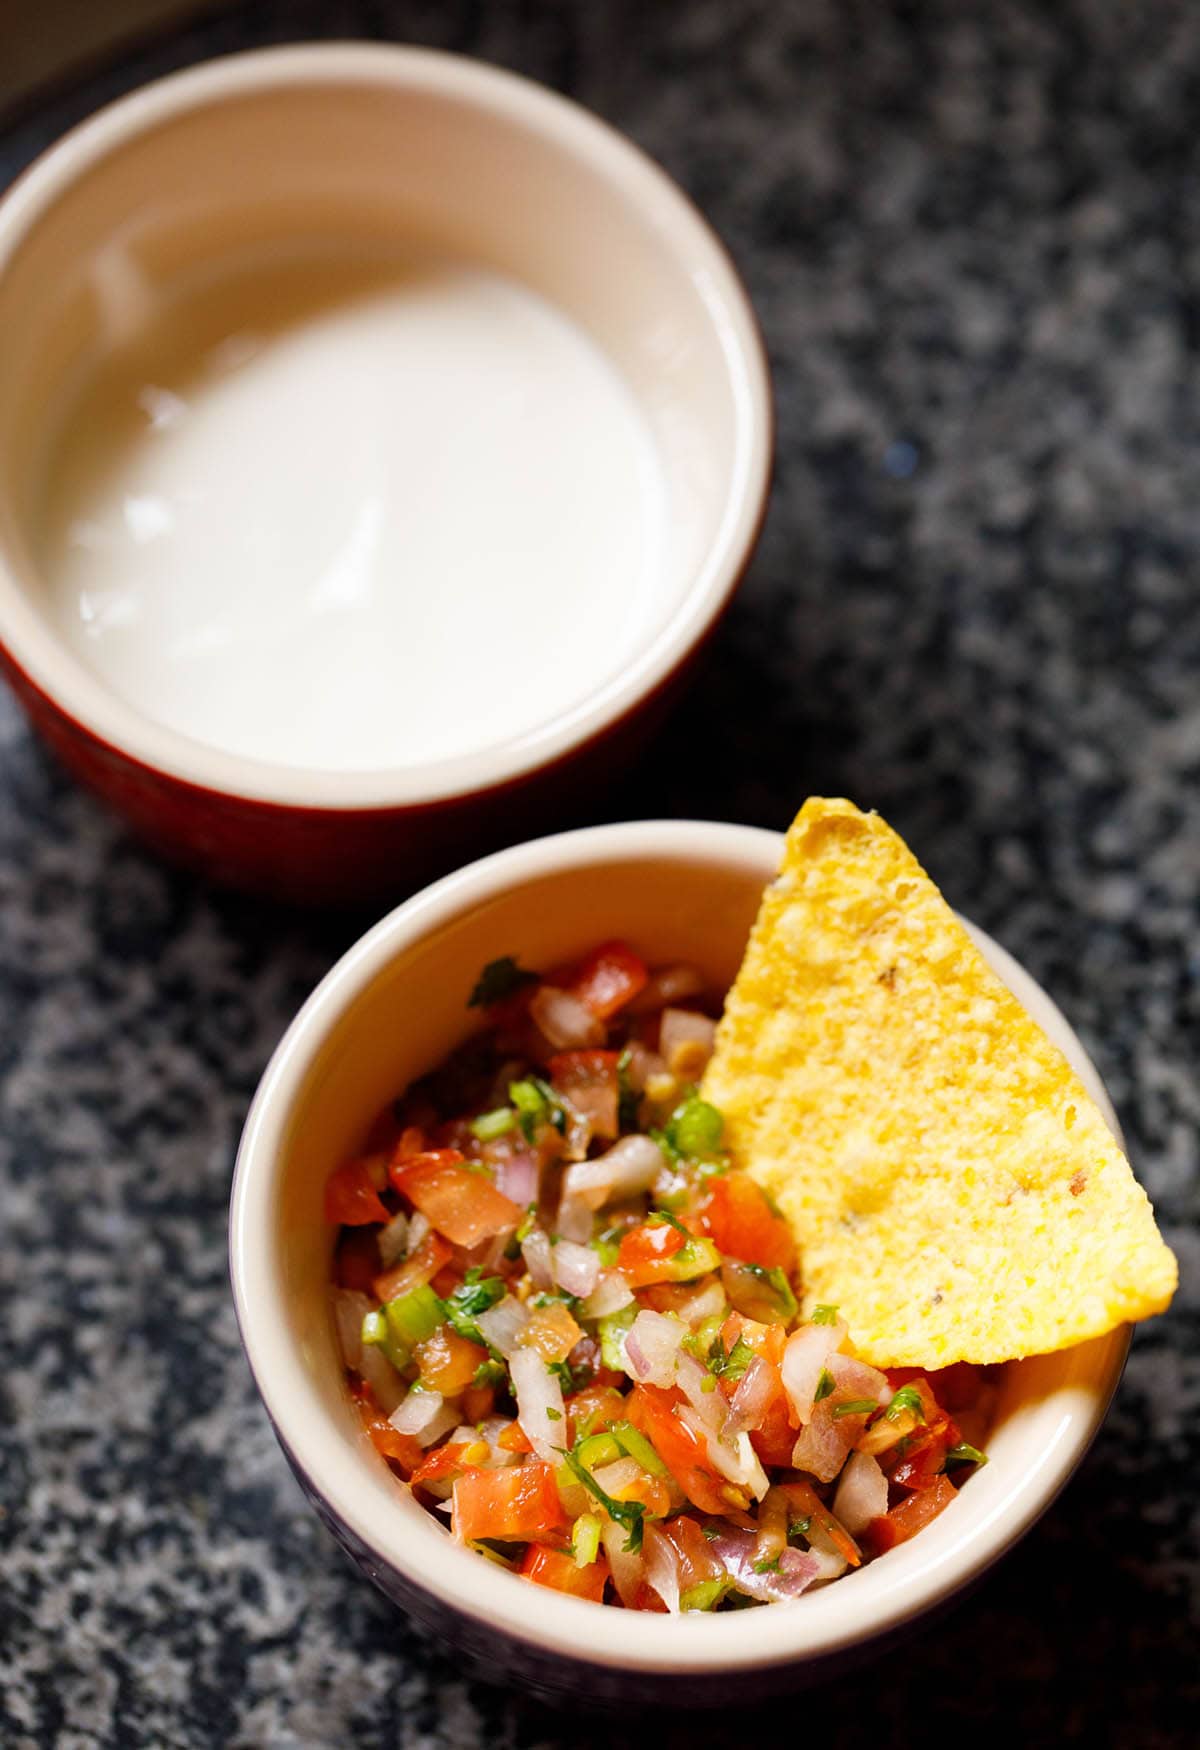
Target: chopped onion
<point x="673" y="984"/>
<point x="575" y="1220"/>
<point x="502" y="1324"/>
<point x="618" y="1475"/>
<point x="381" y="1376"/>
<point x="630" y="1166"/>
<point x="575" y="1267"/>
<point x="564" y="1020"/>
<point x="748" y="1405"/>
<point x="392" y="1240"/>
<point x="862" y="1493"/>
<point x="539" y="1404"/>
<point x="804" y="1360"/>
<point x="350" y="1308"/>
<point x="610" y="1294"/>
<point x="832" y="1564"/>
<point x="797" y="1570"/>
<point x="823" y="1444"/>
<point x="425" y="1415"/>
<point x="517" y="1177"/>
<point x="709" y="1405"/>
<point x="705" y="1302"/>
<point x="858" y="1380"/>
<point x="652" y="1348"/>
<point x="662" y="1566"/>
<point x="538" y="1254"/>
<point x="628" y="1569"/>
<point x="419" y="1229"/>
<point x="686" y="1041"/>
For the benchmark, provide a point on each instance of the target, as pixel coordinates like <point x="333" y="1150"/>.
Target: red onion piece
<point x="385" y="1383"/>
<point x="672" y="984"/>
<point x="748" y="1405"/>
<point x="857" y="1380"/>
<point x="804" y="1360"/>
<point x="425" y="1415"/>
<point x="503" y="1323"/>
<point x="517" y="1177"/>
<point x="823" y="1444"/>
<point x="662" y="1566"/>
<point x="628" y="1569"/>
<point x="652" y="1347"/>
<point x="392" y="1240"/>
<point x="798" y="1569"/>
<point x="686" y="1041"/>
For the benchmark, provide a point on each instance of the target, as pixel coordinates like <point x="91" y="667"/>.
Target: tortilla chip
<point x="954" y="1189"/>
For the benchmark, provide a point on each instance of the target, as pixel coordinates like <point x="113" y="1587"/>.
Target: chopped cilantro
<point x="553" y="1415"/>
<point x="825" y="1385"/>
<point x="800" y="1527"/>
<point x="491" y="1373"/>
<point x="730" y="1364"/>
<point x="570" y="1378"/>
<point x="823" y="1315"/>
<point x="499" y="979"/>
<point x="771" y="1567"/>
<point x="661" y="1217"/>
<point x="629" y="1514"/>
<point x="777" y="1282"/>
<point x="664" y="1142"/>
<point x="907" y="1398"/>
<point x="473" y="1296"/>
<point x="964" y="1453"/>
<point x="711" y="1532"/>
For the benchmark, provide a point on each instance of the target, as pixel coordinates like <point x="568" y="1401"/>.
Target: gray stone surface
<point x="973" y="236"/>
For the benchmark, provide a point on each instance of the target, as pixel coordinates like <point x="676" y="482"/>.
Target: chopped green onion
<point x="694" y="1127"/>
<point x="414" y="1316"/>
<point x="825" y="1385"/>
<point x="493" y="1373"/>
<point x="598" y="1449"/>
<point x="499" y="979"/>
<point x="611" y="1331"/>
<point x="856" y="1407"/>
<point x="374" y="1329"/>
<point x="823" y="1315"/>
<point x="964" y="1453"/>
<point x="629" y="1514"/>
<point x="664" y="1217"/>
<point x="705" y="1594"/>
<point x="489" y="1125"/>
<point x="907" y="1398"/>
<point x="696" y="1257"/>
<point x="585" y="1540"/>
<point x="634" y="1444"/>
<point x="607" y="1247"/>
<point x="536" y="1103"/>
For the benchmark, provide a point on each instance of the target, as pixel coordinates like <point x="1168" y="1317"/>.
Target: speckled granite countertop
<point x="973" y="236"/>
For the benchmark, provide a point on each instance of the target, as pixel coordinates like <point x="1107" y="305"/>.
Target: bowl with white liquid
<point x="380" y="435"/>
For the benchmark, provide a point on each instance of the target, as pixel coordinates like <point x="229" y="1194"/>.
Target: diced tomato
<point x="448" y="1361"/>
<point x="478" y="1403"/>
<point x="682" y="1451"/>
<point x="593" y="1410"/>
<point x="696" y="1559"/>
<point x="514" y="1439"/>
<point x="652" y="1492"/>
<point x="402" y="1447"/>
<point x="351" y="1199"/>
<point x="740" y="1220"/>
<point x="552" y="1332"/>
<point x="646" y="1598"/>
<point x="588" y="1079"/>
<point x="356" y="1260"/>
<point x="463" y="1205"/>
<point x="910" y="1516"/>
<point x="412" y="1142"/>
<point x="645" y="1253"/>
<point x="921" y="1464"/>
<point x="611" y="976"/>
<point x="424" y="1264"/>
<point x="775" y="1436"/>
<point x="444" y="1463"/>
<point x="557" y="1570"/>
<point x="769" y="1341"/>
<point x="513" y="1505"/>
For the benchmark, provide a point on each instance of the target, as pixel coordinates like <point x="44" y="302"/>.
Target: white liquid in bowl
<point x="356" y="515"/>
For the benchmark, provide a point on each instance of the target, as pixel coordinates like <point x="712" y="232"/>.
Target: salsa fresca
<point x="573" y="1328"/>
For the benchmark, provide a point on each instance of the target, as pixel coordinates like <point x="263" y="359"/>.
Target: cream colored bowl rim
<point x="873" y="1601"/>
<point x="563" y="127"/>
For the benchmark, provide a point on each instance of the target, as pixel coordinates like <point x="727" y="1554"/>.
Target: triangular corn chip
<point x="953" y="1188"/>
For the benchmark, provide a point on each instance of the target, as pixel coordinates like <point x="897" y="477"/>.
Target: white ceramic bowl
<point x="375" y="146"/>
<point x="391" y="1009"/>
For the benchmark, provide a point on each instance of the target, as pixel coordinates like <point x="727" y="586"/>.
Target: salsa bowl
<point x="390" y="1010"/>
<point x="366" y="151"/>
